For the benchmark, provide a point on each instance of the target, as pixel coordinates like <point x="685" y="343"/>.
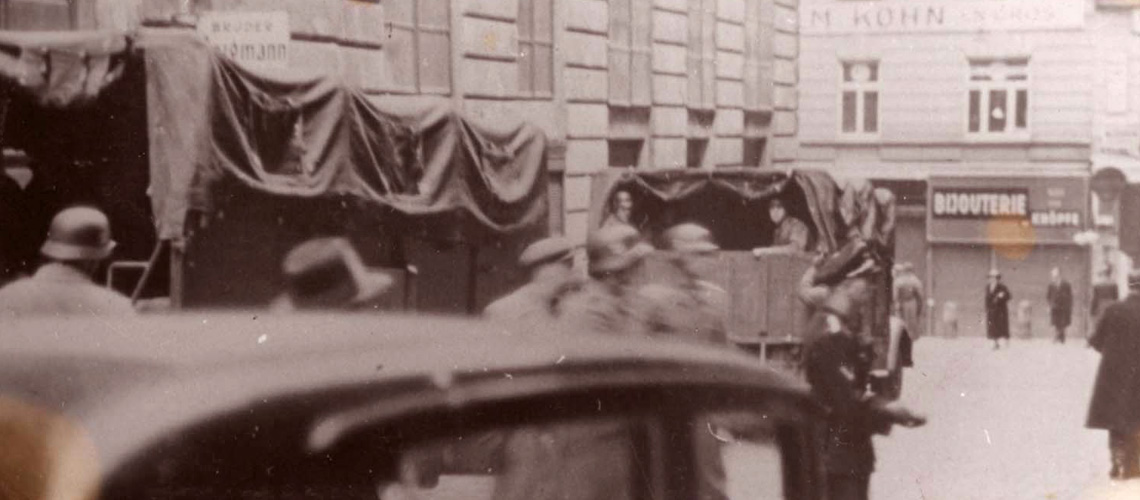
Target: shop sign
<point x="979" y="203"/>
<point x="255" y="39"/>
<point x="1010" y="209"/>
<point x="896" y="16"/>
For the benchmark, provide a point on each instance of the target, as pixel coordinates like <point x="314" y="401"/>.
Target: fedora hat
<point x="546" y="250"/>
<point x="328" y="272"/>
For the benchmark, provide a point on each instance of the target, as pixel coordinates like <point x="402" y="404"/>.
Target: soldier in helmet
<point x="550" y="264"/>
<point x="78" y="242"/>
<point x="689" y="307"/>
<point x="608" y="302"/>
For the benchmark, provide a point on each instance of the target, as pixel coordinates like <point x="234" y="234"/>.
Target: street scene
<point x="570" y="249"/>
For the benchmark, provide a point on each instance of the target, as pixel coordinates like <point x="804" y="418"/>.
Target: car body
<point x="363" y="406"/>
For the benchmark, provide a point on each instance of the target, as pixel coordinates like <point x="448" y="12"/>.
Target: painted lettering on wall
<point x="896" y="16"/>
<point x="256" y="39"/>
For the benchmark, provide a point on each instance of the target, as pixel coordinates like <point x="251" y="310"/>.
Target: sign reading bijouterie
<point x="897" y="16"/>
<point x="971" y="209"/>
<point x="979" y="203"/>
<point x="257" y="39"/>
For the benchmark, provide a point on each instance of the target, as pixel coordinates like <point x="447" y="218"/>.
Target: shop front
<point x="1021" y="226"/>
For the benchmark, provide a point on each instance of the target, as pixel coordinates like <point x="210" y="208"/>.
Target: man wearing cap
<point x="1115" y="404"/>
<point x="688" y="307"/>
<point x="550" y="264"/>
<point x="837" y="365"/>
<point x="608" y="302"/>
<point x="78" y="242"/>
<point x="328" y="273"/>
<point x="997" y="309"/>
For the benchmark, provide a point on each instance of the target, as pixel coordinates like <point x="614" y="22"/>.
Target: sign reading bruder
<point x="255" y="39"/>
<point x="962" y="207"/>
<point x="894" y="16"/>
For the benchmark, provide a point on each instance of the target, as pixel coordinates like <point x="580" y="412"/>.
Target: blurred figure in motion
<point x="950" y="319"/>
<point x="78" y="242"/>
<point x="688" y="307"/>
<point x="1060" y="298"/>
<point x="328" y="273"/>
<point x="838" y="364"/>
<point x="1105" y="293"/>
<point x="549" y="262"/>
<point x="908" y="298"/>
<point x="997" y="309"/>
<point x="1115" y="404"/>
<point x="608" y="302"/>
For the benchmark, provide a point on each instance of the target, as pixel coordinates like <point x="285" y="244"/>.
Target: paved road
<point x="1004" y="424"/>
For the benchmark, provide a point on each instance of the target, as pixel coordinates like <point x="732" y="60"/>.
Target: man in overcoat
<point x="536" y="304"/>
<point x="1115" y="404"/>
<point x="1060" y="299"/>
<point x="997" y="309"/>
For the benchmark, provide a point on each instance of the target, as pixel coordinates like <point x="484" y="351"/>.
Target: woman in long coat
<point x="997" y="309"/>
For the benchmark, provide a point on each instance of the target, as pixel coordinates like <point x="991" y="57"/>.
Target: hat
<point x="317" y="271"/>
<point x="552" y="249"/>
<point x="994" y="273"/>
<point x="615" y="248"/>
<point x="689" y="238"/>
<point x="79" y="233"/>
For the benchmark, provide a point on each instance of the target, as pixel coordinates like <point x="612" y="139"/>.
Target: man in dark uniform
<point x="1060" y="299"/>
<point x="1115" y="404"/>
<point x="838" y="364"/>
<point x="997" y="310"/>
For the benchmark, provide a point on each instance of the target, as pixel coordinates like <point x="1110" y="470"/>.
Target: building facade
<point x="613" y="83"/>
<point x="986" y="118"/>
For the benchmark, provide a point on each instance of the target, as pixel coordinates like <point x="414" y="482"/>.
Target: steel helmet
<point x="79" y="233"/>
<point x="615" y="248"/>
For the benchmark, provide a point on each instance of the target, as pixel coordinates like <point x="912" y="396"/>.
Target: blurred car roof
<point x="130" y="381"/>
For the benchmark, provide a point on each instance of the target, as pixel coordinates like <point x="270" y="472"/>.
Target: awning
<point x="288" y="134"/>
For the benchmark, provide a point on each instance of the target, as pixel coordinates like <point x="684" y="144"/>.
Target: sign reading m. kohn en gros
<point x="255" y="39"/>
<point x="906" y="16"/>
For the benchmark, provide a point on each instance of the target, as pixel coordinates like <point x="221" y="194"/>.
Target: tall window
<point x="536" y="44"/>
<point x="758" y="55"/>
<point x="420" y="45"/>
<point x="629" y="56"/>
<point x="702" y="54"/>
<point x="860" y="98"/>
<point x="999" y="97"/>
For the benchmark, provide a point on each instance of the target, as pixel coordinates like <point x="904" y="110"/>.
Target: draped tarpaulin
<point x="313" y="136"/>
<point x="820" y="191"/>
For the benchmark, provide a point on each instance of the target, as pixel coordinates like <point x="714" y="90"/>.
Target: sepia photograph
<point x="570" y="249"/>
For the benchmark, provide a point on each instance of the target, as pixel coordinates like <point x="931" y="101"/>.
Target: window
<point x="536" y="47"/>
<point x="999" y="97"/>
<point x="625" y="152"/>
<point x="35" y="15"/>
<point x="702" y="54"/>
<point x="629" y="53"/>
<point x="695" y="150"/>
<point x="754" y="151"/>
<point x="860" y="98"/>
<point x="420" y="45"/>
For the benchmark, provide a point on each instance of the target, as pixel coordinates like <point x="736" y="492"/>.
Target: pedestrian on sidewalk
<point x="997" y="309"/>
<point x="1115" y="404"/>
<point x="1060" y="299"/>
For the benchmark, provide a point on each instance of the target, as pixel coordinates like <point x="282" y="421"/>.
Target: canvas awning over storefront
<point x="297" y="135"/>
